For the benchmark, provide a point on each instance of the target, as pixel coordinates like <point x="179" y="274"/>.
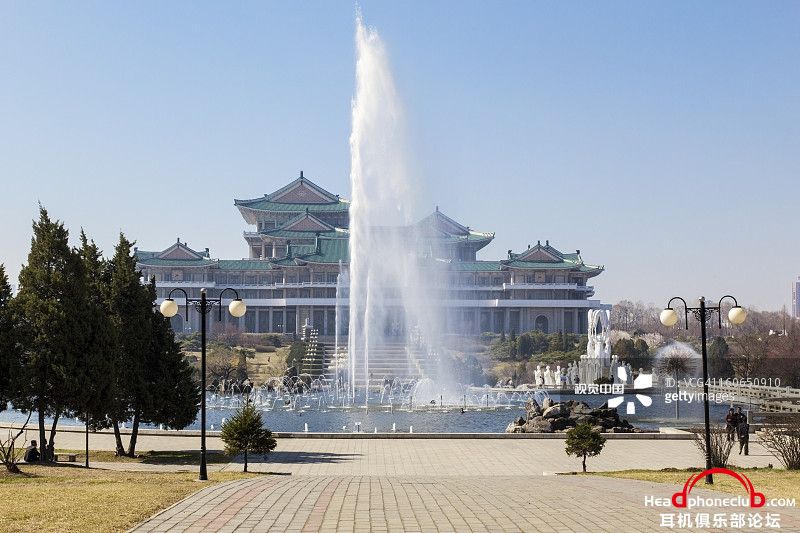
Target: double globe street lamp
<point x="237" y="309"/>
<point x="736" y="316"/>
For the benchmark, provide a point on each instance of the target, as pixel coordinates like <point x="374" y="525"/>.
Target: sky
<point x="662" y="139"/>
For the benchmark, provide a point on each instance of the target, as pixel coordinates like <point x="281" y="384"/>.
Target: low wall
<point x="662" y="434"/>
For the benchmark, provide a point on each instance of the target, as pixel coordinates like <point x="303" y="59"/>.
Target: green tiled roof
<point x="563" y="265"/>
<point x="289" y="234"/>
<point x="264" y="204"/>
<point x="154" y="261"/>
<point x="331" y="251"/>
<point x="475" y="266"/>
<point x="243" y="264"/>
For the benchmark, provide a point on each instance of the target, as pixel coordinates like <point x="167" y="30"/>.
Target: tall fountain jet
<point x="385" y="297"/>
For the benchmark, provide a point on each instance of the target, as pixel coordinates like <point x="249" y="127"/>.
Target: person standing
<point x="730" y="424"/>
<point x="743" y="430"/>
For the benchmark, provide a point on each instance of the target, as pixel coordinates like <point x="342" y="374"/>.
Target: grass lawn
<point x="773" y="482"/>
<point x="70" y="498"/>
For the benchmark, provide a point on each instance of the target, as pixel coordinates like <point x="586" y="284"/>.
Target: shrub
<point x="245" y="432"/>
<point x="720" y="445"/>
<point x="783" y="440"/>
<point x="583" y="441"/>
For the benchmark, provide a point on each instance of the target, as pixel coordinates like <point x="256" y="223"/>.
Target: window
<point x="541" y="324"/>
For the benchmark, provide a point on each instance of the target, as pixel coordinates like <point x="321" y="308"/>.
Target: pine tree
<point x="130" y="307"/>
<point x="583" y="441"/>
<point x="245" y="432"/>
<point x="9" y="348"/>
<point x="173" y="393"/>
<point x="51" y="288"/>
<point x="98" y="344"/>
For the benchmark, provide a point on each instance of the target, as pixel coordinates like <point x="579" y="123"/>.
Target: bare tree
<point x="783" y="440"/>
<point x="720" y="445"/>
<point x="8" y="451"/>
<point x="750" y="352"/>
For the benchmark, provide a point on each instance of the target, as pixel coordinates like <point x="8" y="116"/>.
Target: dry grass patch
<point x="773" y="482"/>
<point x="186" y="457"/>
<point x="65" y="498"/>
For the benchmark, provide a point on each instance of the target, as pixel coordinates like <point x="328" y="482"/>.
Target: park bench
<point x="65" y="457"/>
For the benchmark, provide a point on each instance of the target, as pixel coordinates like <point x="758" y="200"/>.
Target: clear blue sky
<point x="660" y="138"/>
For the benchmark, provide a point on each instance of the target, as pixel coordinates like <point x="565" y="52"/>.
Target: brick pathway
<point x="441" y="485"/>
<point x="400" y="503"/>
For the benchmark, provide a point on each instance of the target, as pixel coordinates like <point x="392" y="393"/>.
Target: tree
<point x="782" y="438"/>
<point x="296" y="353"/>
<point x="749" y="355"/>
<point x="95" y="367"/>
<point x="172" y="394"/>
<point x="583" y="441"/>
<point x="512" y="345"/>
<point x="130" y="306"/>
<point x="245" y="432"/>
<point x="219" y="363"/>
<point x="51" y="291"/>
<point x="677" y="361"/>
<point x="719" y="363"/>
<point x="525" y="345"/>
<point x="9" y="348"/>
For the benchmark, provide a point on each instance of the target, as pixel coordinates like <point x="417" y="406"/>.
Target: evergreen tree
<point x="50" y="293"/>
<point x="583" y="441"/>
<point x="98" y="342"/>
<point x="245" y="432"/>
<point x="719" y="362"/>
<point x="525" y="345"/>
<point x="130" y="307"/>
<point x="172" y="394"/>
<point x="9" y="348"/>
<point x="512" y="348"/>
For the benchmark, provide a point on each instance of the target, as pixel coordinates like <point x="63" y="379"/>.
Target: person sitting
<point x="31" y="453"/>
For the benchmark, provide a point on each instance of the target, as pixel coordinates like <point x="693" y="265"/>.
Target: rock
<point x="514" y="428"/>
<point x="559" y="410"/>
<point x="547" y="402"/>
<point x="538" y="426"/>
<point x="560" y="424"/>
<point x="580" y="408"/>
<point x="520" y="421"/>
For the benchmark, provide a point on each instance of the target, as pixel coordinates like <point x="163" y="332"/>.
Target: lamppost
<point x="736" y="316"/>
<point x="169" y="308"/>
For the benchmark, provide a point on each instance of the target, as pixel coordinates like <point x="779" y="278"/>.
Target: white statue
<point x="549" y="380"/>
<point x="629" y="369"/>
<point x="599" y="343"/>
<point x="614" y="366"/>
<point x="537" y="376"/>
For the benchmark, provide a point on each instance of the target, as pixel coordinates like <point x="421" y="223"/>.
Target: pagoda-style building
<point x="299" y="243"/>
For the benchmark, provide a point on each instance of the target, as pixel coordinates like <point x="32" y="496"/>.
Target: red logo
<point x="757" y="499"/>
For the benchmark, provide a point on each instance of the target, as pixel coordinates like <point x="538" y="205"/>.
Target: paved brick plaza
<point x="444" y="485"/>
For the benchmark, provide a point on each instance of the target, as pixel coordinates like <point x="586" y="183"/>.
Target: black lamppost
<point x="736" y="316"/>
<point x="169" y="308"/>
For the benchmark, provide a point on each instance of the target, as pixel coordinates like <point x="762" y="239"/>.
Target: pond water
<point x="293" y="413"/>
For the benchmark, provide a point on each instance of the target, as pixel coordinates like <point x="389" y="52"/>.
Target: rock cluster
<point x="563" y="416"/>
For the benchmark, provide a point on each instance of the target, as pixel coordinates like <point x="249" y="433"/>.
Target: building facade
<point x="298" y="245"/>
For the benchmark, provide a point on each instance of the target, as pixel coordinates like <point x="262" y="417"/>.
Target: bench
<point x="65" y="457"/>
